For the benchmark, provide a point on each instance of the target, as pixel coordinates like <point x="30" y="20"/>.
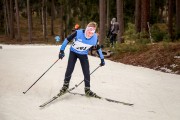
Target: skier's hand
<point x="61" y="54"/>
<point x="102" y="62"/>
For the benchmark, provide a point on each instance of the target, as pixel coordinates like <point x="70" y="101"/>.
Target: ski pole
<point x="82" y="80"/>
<point x="40" y="77"/>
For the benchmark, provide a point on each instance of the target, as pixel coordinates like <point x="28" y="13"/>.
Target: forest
<point x="145" y="26"/>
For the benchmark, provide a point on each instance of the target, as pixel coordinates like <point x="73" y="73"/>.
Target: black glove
<point x="61" y="54"/>
<point x="102" y="62"/>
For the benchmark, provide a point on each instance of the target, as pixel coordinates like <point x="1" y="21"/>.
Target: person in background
<point x="113" y="31"/>
<point x="76" y="27"/>
<point x="84" y="40"/>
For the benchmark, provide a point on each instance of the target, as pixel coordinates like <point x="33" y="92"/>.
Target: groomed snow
<point x="155" y="95"/>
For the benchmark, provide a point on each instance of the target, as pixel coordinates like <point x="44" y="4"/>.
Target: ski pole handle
<point x="40" y="77"/>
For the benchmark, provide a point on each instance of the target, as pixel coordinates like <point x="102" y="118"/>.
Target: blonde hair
<point x="92" y="24"/>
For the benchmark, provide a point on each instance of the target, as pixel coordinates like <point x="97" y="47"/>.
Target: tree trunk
<point x="29" y="21"/>
<point x="6" y="26"/>
<point x="67" y="21"/>
<point x="61" y="27"/>
<point x="120" y="19"/>
<point x="145" y="6"/>
<point x="170" y="19"/>
<point x="44" y="19"/>
<point x="8" y="17"/>
<point x="52" y="17"/>
<point x="108" y="18"/>
<point x="2" y="22"/>
<point x="17" y="20"/>
<point x="138" y="16"/>
<point x="11" y="20"/>
<point x="102" y="21"/>
<point x="177" y="19"/>
<point x="31" y="17"/>
<point x="40" y="12"/>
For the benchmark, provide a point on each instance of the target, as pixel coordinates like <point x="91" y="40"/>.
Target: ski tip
<point x="40" y="106"/>
<point x="129" y="104"/>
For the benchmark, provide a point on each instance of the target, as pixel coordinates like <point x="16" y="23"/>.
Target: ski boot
<point x="64" y="89"/>
<point x="89" y="93"/>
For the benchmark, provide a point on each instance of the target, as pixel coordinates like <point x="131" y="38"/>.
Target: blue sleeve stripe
<point x="64" y="44"/>
<point x="100" y="53"/>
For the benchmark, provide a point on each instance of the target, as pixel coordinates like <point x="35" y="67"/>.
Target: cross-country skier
<point x="76" y="27"/>
<point x="83" y="41"/>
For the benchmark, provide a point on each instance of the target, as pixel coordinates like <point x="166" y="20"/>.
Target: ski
<point x="102" y="98"/>
<point x="49" y="101"/>
<point x="55" y="97"/>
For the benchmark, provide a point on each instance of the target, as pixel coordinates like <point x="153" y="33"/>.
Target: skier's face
<point x="89" y="32"/>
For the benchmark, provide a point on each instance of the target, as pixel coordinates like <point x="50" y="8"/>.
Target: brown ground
<point x="157" y="56"/>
